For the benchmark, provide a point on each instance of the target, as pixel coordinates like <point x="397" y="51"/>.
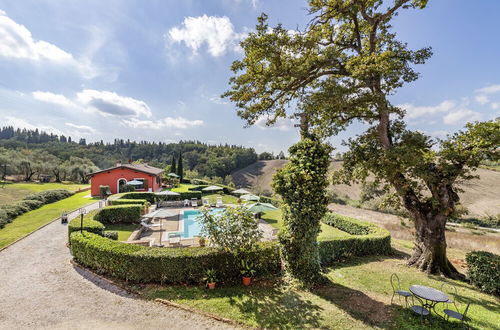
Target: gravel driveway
<point x="39" y="288"/>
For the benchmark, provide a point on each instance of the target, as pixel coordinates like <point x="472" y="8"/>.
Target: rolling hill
<point x="480" y="196"/>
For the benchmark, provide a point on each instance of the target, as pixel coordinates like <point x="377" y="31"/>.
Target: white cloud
<point x="216" y="32"/>
<point x="82" y="129"/>
<point x="461" y="116"/>
<point x="482" y="99"/>
<point x="21" y="123"/>
<point x="495" y="105"/>
<point x="16" y="41"/>
<point x="52" y="98"/>
<point x="282" y="124"/>
<point x="112" y="104"/>
<point x="218" y="100"/>
<point x="167" y="122"/>
<point x="492" y="89"/>
<point x="413" y="111"/>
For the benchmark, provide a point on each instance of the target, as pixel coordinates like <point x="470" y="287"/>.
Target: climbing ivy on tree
<point x="302" y="184"/>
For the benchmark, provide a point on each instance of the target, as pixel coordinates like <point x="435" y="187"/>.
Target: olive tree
<point x="342" y="68"/>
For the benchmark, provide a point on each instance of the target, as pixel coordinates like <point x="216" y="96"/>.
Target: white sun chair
<point x="219" y="202"/>
<point x="187" y="202"/>
<point x="206" y="202"/>
<point x="149" y="226"/>
<point x="194" y="202"/>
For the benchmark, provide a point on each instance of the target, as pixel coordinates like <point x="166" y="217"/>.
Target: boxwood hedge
<point x="123" y="201"/>
<point x="130" y="213"/>
<point x="367" y="239"/>
<point x="166" y="265"/>
<point x="31" y="202"/>
<point x="149" y="196"/>
<point x="484" y="271"/>
<point x="188" y="265"/>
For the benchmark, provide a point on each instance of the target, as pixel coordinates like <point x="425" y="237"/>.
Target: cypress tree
<point x="180" y="171"/>
<point x="173" y="168"/>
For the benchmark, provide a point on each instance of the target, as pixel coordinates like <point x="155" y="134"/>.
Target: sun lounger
<point x="149" y="226"/>
<point x="219" y="202"/>
<point x="194" y="202"/>
<point x="187" y="202"/>
<point x="206" y="202"/>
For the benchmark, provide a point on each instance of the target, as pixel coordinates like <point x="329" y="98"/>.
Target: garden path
<point x="39" y="288"/>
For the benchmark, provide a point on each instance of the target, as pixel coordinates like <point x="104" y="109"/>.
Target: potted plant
<point x="210" y="278"/>
<point x="247" y="271"/>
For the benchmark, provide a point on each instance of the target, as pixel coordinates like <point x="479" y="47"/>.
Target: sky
<point x="155" y="70"/>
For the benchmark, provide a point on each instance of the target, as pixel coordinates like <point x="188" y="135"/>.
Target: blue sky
<point x="153" y="70"/>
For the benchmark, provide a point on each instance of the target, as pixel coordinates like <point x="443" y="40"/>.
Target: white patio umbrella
<point x="135" y="183"/>
<point x="167" y="193"/>
<point x="241" y="192"/>
<point x="162" y="213"/>
<point x="172" y="175"/>
<point x="212" y="188"/>
<point x="250" y="197"/>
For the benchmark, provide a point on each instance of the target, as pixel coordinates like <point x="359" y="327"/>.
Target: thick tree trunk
<point x="429" y="254"/>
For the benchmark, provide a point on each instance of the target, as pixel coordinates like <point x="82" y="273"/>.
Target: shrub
<point x="122" y="201"/>
<point x="49" y="196"/>
<point x="369" y="239"/>
<point x="165" y="265"/>
<point x="4" y="219"/>
<point x="104" y="191"/>
<point x="198" y="188"/>
<point x="149" y="196"/>
<point x="484" y="271"/>
<point x="120" y="214"/>
<point x="183" y="195"/>
<point x="127" y="188"/>
<point x="89" y="224"/>
<point x="111" y="235"/>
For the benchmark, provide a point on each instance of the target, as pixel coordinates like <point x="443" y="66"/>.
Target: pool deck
<point x="174" y="223"/>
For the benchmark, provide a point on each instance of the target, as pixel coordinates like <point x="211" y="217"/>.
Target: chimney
<point x="118" y="163"/>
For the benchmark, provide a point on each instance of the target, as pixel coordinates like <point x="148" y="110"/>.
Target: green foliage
<point x="149" y="196"/>
<point x="210" y="276"/>
<point x="120" y="214"/>
<point x="89" y="224"/>
<point x="49" y="196"/>
<point x="368" y="240"/>
<point x="125" y="188"/>
<point x="164" y="265"/>
<point x="9" y="212"/>
<point x="302" y="184"/>
<point x="247" y="268"/>
<point x="104" y="191"/>
<point x="235" y="230"/>
<point x="113" y="235"/>
<point x="484" y="271"/>
<point x="173" y="166"/>
<point x="180" y="168"/>
<point x="56" y="153"/>
<point x="123" y="201"/>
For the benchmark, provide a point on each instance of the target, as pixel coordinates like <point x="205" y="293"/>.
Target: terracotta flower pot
<point x="247" y="281"/>
<point x="211" y="286"/>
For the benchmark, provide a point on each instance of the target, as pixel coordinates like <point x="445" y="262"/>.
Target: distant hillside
<point x="481" y="196"/>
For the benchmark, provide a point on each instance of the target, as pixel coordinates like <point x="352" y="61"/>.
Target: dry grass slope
<point x="480" y="196"/>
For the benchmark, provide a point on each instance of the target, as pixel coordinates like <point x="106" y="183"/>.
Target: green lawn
<point x="30" y="221"/>
<point x="124" y="230"/>
<point x="356" y="296"/>
<point x="274" y="218"/>
<point x="12" y="192"/>
<point x="183" y="187"/>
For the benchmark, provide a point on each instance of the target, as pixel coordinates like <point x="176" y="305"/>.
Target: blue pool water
<point x="191" y="225"/>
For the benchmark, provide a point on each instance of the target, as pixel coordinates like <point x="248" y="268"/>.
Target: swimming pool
<point x="192" y="226"/>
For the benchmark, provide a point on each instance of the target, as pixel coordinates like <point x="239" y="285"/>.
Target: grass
<point x="357" y="295"/>
<point x="275" y="219"/>
<point x="183" y="187"/>
<point x="12" y="192"/>
<point x="30" y="221"/>
<point x="124" y="229"/>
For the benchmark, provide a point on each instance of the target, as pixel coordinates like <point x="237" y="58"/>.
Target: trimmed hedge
<point x="89" y="224"/>
<point x="120" y="214"/>
<point x="183" y="195"/>
<point x="368" y="239"/>
<point x="166" y="265"/>
<point x="31" y="202"/>
<point x="149" y="196"/>
<point x="123" y="201"/>
<point x="113" y="235"/>
<point x="484" y="271"/>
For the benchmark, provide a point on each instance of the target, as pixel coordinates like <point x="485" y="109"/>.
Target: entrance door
<point x="121" y="184"/>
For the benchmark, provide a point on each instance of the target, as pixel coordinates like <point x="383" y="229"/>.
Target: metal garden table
<point x="429" y="297"/>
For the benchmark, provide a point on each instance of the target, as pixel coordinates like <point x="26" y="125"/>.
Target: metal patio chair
<point x="396" y="290"/>
<point x="454" y="313"/>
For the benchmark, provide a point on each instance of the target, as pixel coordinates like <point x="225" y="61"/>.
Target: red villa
<point x="117" y="176"/>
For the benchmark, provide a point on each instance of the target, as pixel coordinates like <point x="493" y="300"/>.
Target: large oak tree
<point x="342" y="68"/>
